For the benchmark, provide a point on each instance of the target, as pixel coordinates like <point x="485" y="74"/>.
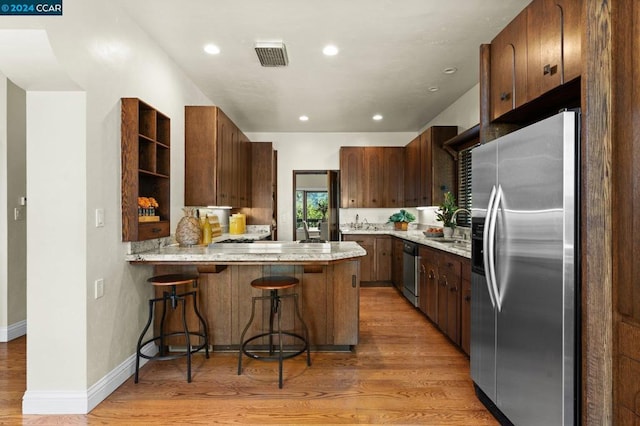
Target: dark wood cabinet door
<point x="465" y="316"/>
<point x="374" y="173"/>
<point x="367" y="263"/>
<point x="509" y="67"/>
<point x="412" y="173"/>
<point x="571" y="38"/>
<point x="554" y="44"/>
<point x="202" y="153"/>
<point x="392" y="183"/>
<point x="430" y="259"/>
<point x="346" y="296"/>
<point x="544" y="38"/>
<point x="383" y="251"/>
<point x="352" y="177"/>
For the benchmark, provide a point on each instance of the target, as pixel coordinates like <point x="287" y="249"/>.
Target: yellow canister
<point x="237" y="224"/>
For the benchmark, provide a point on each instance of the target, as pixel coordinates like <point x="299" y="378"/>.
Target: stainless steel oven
<point x="411" y="277"/>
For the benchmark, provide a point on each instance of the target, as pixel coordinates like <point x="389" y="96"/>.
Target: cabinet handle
<point x="549" y="69"/>
<point x="423" y="269"/>
<point x="444" y="282"/>
<point x="505" y="96"/>
<point x="353" y="281"/>
<point x="156" y="230"/>
<point x="453" y="289"/>
<point x="467" y="298"/>
<point x="431" y="275"/>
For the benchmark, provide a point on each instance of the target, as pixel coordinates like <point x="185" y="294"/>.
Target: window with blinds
<point x="464" y="187"/>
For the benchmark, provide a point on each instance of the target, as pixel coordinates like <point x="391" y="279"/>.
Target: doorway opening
<point x="315" y="204"/>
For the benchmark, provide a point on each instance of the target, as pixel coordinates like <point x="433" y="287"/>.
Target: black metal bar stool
<point x="171" y="281"/>
<point x="274" y="284"/>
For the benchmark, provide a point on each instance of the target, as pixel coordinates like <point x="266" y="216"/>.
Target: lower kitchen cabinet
<point x="377" y="264"/>
<point x="444" y="282"/>
<point x="449" y="284"/>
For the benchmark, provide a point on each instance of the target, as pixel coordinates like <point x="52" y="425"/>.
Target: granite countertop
<point x="257" y="252"/>
<point x="417" y="236"/>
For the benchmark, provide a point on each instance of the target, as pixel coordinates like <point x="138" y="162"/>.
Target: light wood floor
<point x="403" y="371"/>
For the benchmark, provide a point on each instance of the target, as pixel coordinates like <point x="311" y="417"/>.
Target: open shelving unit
<point x="146" y="165"/>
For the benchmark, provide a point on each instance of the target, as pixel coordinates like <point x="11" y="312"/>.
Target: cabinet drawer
<point x="151" y="230"/>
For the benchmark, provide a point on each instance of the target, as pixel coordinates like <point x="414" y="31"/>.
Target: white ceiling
<point x="391" y="52"/>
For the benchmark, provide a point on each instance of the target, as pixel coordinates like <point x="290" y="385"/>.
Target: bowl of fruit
<point x="433" y="232"/>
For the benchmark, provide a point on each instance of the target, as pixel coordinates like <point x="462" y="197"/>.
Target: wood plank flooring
<point x="404" y="371"/>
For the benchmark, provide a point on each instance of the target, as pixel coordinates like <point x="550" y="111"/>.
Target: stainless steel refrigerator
<point x="525" y="277"/>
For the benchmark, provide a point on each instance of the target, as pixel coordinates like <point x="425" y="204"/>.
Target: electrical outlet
<point x="99" y="287"/>
<point x="99" y="218"/>
<point x="19" y="213"/>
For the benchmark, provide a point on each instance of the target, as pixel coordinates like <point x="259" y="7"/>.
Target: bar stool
<point x="274" y="284"/>
<point x="171" y="281"/>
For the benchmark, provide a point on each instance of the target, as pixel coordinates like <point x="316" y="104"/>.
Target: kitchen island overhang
<point x="329" y="276"/>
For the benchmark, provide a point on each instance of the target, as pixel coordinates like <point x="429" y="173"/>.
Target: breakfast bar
<point x="329" y="276"/>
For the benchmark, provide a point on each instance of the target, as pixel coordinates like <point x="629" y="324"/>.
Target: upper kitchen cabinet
<point x="539" y="51"/>
<point x="217" y="159"/>
<point x="384" y="185"/>
<point x="145" y="139"/>
<point x="352" y="177"/>
<point x="412" y="173"/>
<point x="509" y="67"/>
<point x="372" y="177"/>
<point x="428" y="178"/>
<point x="553" y="34"/>
<point x="264" y="186"/>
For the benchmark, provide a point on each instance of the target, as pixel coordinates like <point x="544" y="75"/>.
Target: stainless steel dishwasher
<point x="411" y="277"/>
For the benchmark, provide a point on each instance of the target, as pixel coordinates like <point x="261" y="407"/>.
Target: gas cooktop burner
<point x="236" y="240"/>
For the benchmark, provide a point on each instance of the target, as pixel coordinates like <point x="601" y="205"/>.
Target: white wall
<point x="314" y="151"/>
<point x="56" y="267"/>
<point x="13" y="265"/>
<point x="464" y="112"/>
<point x="108" y="57"/>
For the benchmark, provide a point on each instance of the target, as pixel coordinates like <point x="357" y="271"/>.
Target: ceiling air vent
<point x="272" y="54"/>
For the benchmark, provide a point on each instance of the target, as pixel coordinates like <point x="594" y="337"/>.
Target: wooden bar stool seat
<point x="275" y="352"/>
<point x="174" y="298"/>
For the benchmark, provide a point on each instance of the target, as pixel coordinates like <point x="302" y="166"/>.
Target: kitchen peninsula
<point x="329" y="275"/>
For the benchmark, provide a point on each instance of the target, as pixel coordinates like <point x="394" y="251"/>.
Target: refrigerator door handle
<point x="485" y="246"/>
<point x="491" y="247"/>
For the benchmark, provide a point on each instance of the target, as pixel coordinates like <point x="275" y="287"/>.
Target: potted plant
<point x="401" y="219"/>
<point x="446" y="212"/>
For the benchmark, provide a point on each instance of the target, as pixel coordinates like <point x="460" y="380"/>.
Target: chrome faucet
<point x="453" y="216"/>
<point x="365" y="221"/>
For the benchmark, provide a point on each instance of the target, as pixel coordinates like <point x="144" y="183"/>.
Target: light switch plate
<point x="99" y="288"/>
<point x="99" y="218"/>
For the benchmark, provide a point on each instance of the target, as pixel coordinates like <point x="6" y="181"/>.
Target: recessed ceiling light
<point x="450" y="70"/>
<point x="212" y="49"/>
<point x="433" y="88"/>
<point x="377" y="117"/>
<point x="304" y="118"/>
<point x="330" y="50"/>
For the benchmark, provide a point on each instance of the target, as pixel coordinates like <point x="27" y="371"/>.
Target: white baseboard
<point x="13" y="331"/>
<point x="60" y="402"/>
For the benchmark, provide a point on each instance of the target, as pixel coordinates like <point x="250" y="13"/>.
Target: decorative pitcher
<point x="188" y="230"/>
